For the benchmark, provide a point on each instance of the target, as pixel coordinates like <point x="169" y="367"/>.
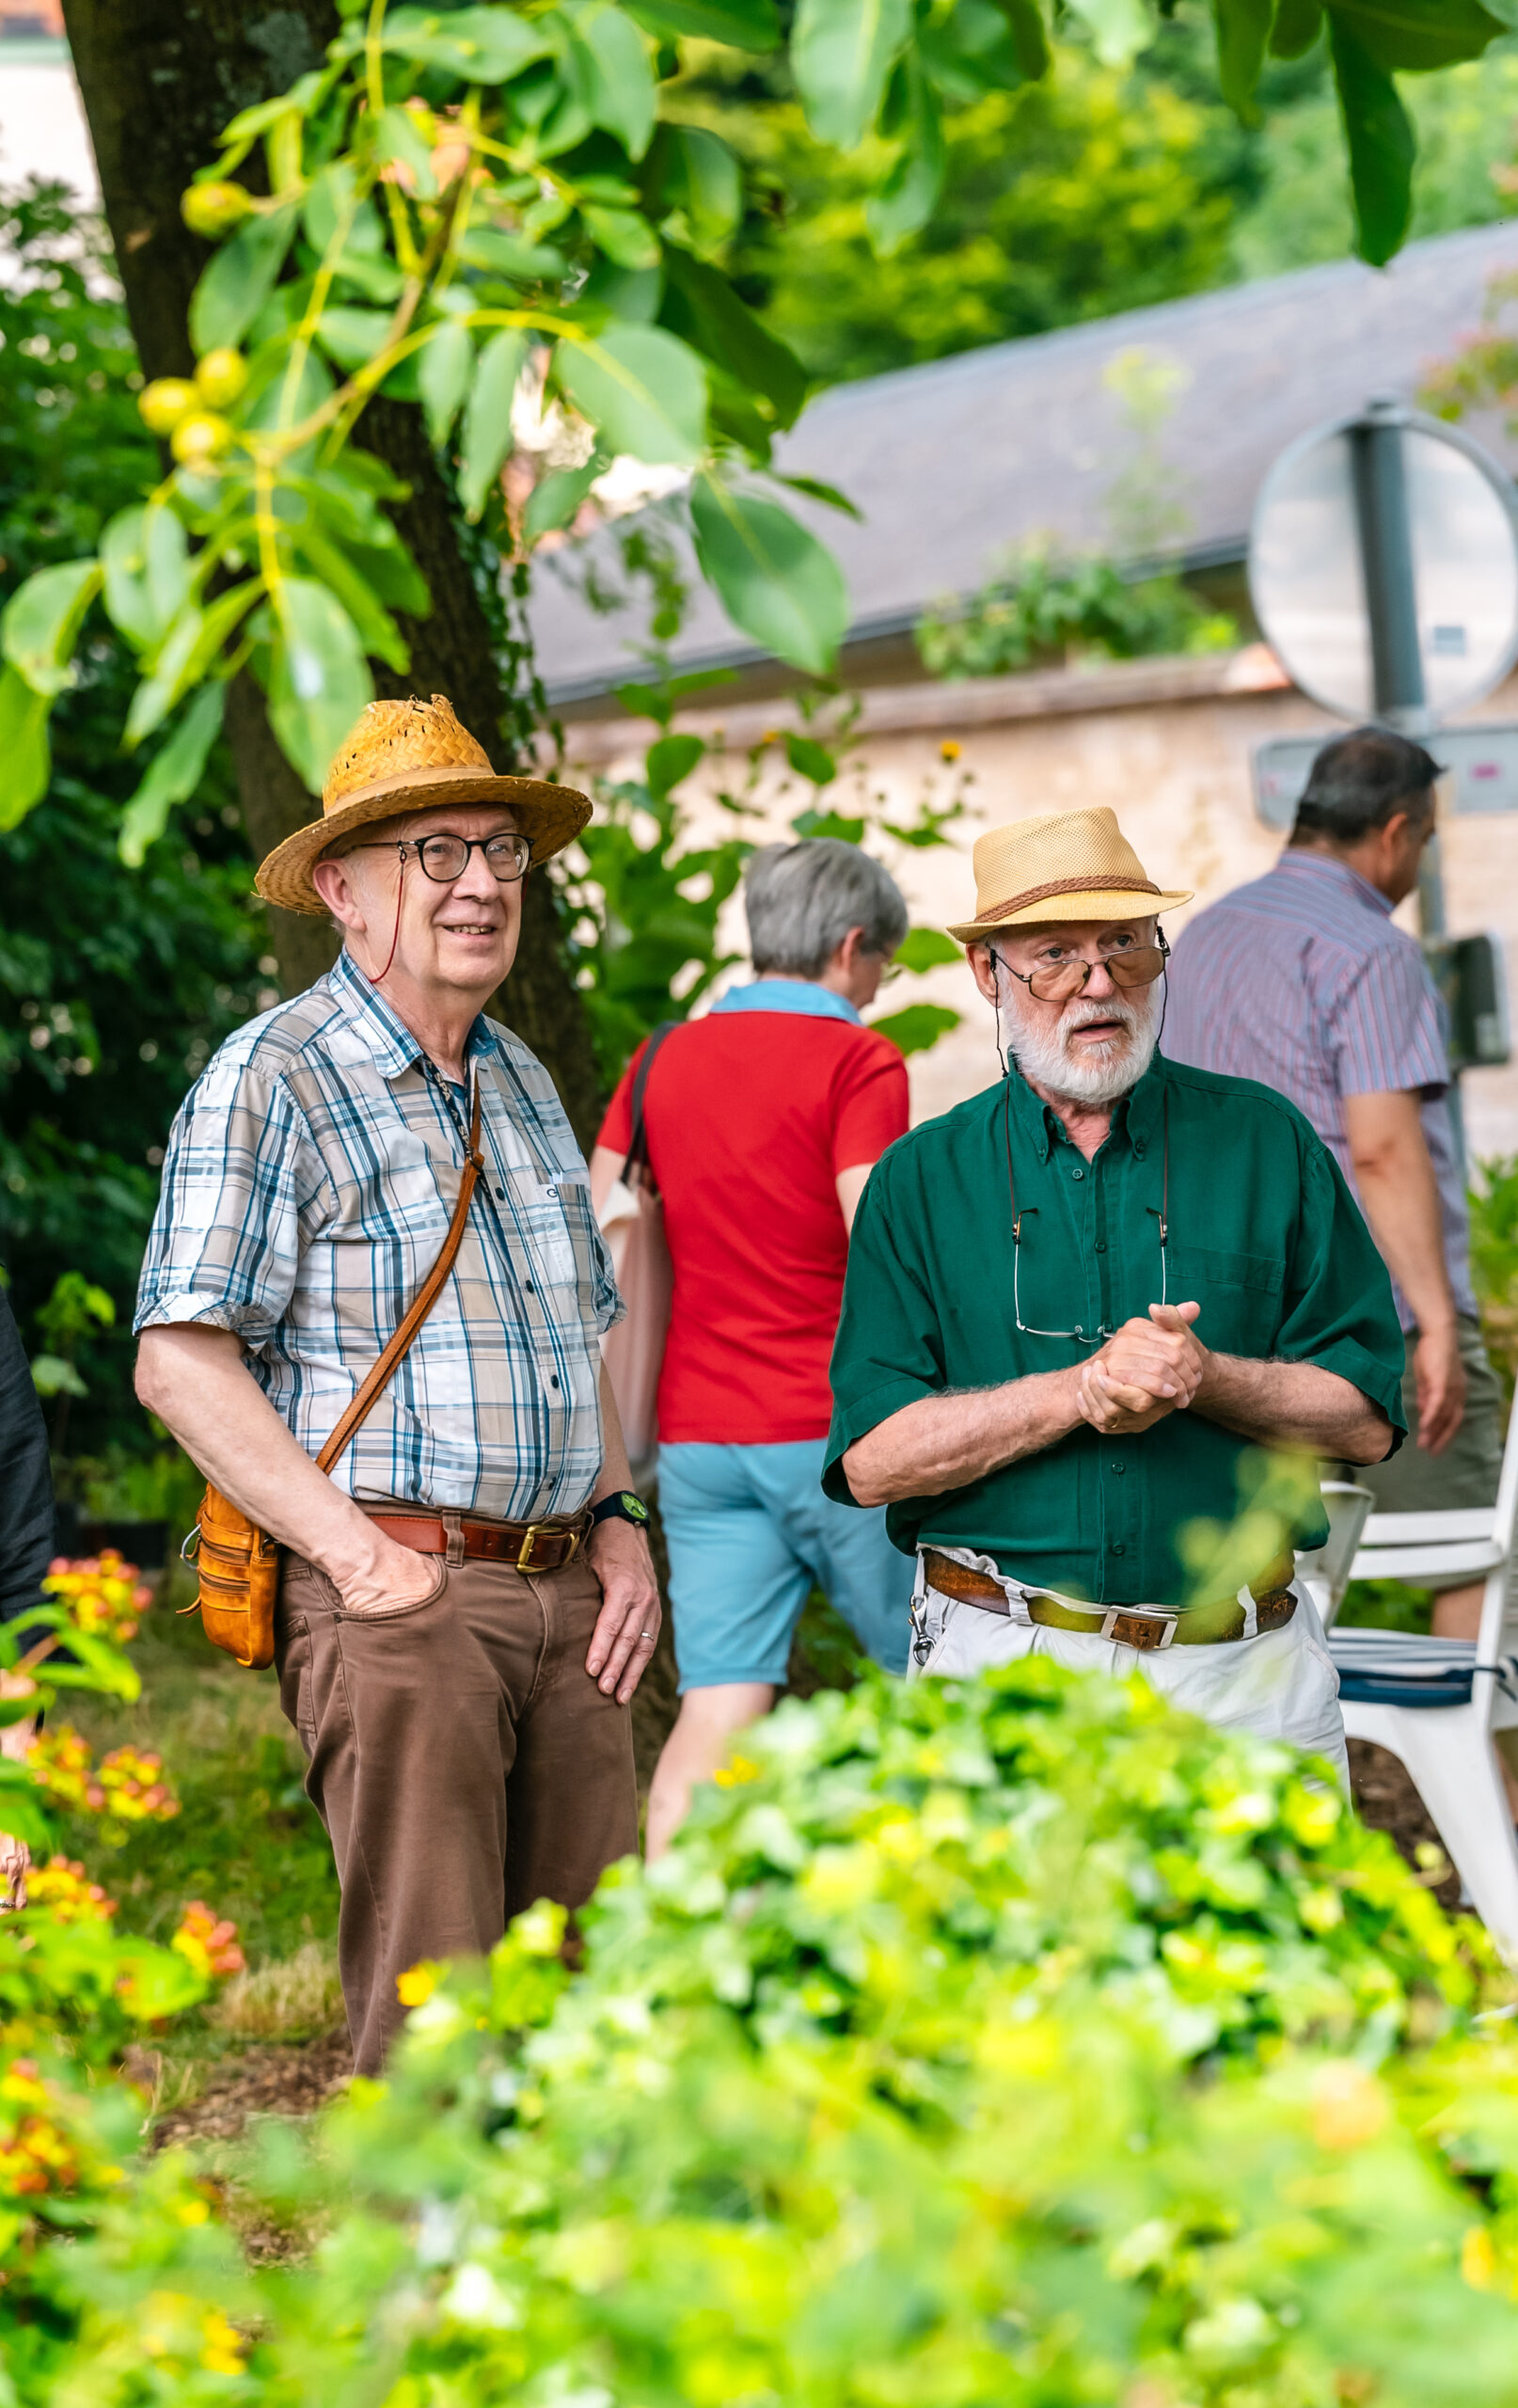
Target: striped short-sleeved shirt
<point x="311" y="1176"/>
<point x="1303" y="982"/>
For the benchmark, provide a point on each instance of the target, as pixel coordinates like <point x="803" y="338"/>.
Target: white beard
<point x="1092" y="1074"/>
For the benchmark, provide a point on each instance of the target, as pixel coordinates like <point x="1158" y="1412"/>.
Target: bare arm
<point x="851" y="1186"/>
<point x="627" y="1627"/>
<point x="1397" y="1186"/>
<point x="1293" y="1404"/>
<point x="943" y="1442"/>
<point x="197" y="1381"/>
<point x="606" y="1169"/>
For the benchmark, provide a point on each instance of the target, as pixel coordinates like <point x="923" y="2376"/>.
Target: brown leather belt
<point x="527" y="1546"/>
<point x="1211" y="1625"/>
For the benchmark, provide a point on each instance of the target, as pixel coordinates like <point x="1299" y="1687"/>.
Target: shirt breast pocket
<point x="1240" y="1295"/>
<point x="547" y="1212"/>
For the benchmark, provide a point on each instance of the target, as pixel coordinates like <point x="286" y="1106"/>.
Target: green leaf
<point x="353" y="337"/>
<point x="918" y="1028"/>
<point x="770" y="574"/>
<point x="510" y="255"/>
<point x="156" y="1981"/>
<point x="443" y="374"/>
<point x="1413" y="36"/>
<point x="643" y="392"/>
<point x="41" y="623"/>
<point x="193" y="644"/>
<point x="26" y="760"/>
<point x="1298" y="24"/>
<point x="123" y="561"/>
<point x="816" y="490"/>
<point x="617" y="78"/>
<point x="810" y="760"/>
<point x="841" y="54"/>
<point x="927" y="949"/>
<point x="905" y="200"/>
<point x="1381" y="148"/>
<point x="700" y="307"/>
<point x="555" y="498"/>
<point x="705" y="179"/>
<point x="381" y="638"/>
<point x="829" y="823"/>
<point x="319" y="680"/>
<point x="1244" y="31"/>
<point x="21" y="1808"/>
<point x="487" y="419"/>
<point x="167" y="554"/>
<point x="173" y="776"/>
<point x="621" y="235"/>
<point x="1030" y="37"/>
<point x="659" y="702"/>
<point x="743" y="24"/>
<point x="395" y="139"/>
<point x="1119" y="29"/>
<point x="670" y="759"/>
<point x="481" y="45"/>
<point x="240" y="279"/>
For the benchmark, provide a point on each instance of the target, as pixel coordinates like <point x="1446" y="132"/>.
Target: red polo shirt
<point x="750" y="1117"/>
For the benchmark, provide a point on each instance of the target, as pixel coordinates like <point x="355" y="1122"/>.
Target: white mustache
<point x="1085" y="1010"/>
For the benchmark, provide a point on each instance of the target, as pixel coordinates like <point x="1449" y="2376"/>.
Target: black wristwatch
<point x="621" y="1505"/>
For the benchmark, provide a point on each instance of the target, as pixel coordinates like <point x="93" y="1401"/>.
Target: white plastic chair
<point x="1324" y="1571"/>
<point x="1436" y="1702"/>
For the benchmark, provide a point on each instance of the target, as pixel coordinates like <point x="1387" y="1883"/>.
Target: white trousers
<point x="1280" y="1685"/>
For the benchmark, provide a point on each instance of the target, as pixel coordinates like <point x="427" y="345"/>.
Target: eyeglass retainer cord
<point x="1161" y="1213"/>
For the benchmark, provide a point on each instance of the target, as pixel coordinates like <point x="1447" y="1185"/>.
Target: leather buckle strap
<point x="525" y="1546"/>
<point x="1211" y="1625"/>
<point x="568" y="1542"/>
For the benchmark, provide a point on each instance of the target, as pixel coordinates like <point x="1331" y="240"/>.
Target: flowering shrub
<point x="66" y="1893"/>
<point x="1028" y="2045"/>
<point x="101" y="1593"/>
<point x="127" y="1787"/>
<point x="208" y="1942"/>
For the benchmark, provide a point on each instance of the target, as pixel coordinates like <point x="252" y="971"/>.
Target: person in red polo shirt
<point x="764" y="1120"/>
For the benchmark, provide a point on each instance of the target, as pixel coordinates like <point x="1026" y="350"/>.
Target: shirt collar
<point x="800" y="995"/>
<point x="1136" y="1117"/>
<point x="383" y="1032"/>
<point x="1300" y="862"/>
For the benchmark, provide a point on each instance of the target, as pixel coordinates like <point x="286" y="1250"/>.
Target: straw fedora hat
<point x="412" y="757"/>
<point x="1071" y="865"/>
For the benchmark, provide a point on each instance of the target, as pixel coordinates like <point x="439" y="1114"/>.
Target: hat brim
<point x="1095" y="903"/>
<point x="550" y="817"/>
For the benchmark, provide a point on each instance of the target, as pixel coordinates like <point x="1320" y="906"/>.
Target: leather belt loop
<point x="454" y="1524"/>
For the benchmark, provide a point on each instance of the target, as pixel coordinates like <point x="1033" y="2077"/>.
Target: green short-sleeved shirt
<point x="1263" y="1233"/>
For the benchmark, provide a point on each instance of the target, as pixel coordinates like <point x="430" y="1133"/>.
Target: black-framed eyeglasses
<point x="1161" y="1212"/>
<point x="445" y="858"/>
<point x="1057" y="982"/>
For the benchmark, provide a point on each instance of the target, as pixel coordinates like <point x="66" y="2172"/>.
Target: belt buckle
<point x="524" y="1561"/>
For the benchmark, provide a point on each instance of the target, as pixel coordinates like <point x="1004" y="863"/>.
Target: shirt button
<point x="1117" y="1547"/>
<point x="530" y="1290"/>
<point x="553" y="1379"/>
<point x="1101" y="1246"/>
<point x="1078" y="1174"/>
<point x="500" y="1194"/>
<point x="1119" y="1469"/>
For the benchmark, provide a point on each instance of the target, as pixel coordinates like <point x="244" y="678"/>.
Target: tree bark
<point x="160" y="79"/>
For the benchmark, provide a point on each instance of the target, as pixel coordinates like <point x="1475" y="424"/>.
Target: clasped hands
<point x="1145" y="1369"/>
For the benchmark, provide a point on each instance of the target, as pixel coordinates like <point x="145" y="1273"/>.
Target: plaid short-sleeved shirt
<point x="311" y="1176"/>
<point x="1302" y="980"/>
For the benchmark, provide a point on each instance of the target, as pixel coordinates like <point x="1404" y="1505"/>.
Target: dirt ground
<point x="296" y="2078"/>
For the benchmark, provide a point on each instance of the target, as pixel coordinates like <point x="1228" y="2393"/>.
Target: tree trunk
<point x="160" y="79"/>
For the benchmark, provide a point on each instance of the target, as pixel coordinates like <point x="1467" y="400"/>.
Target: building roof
<point x="952" y="463"/>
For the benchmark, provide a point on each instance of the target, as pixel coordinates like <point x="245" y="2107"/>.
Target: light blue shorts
<point x="750" y="1534"/>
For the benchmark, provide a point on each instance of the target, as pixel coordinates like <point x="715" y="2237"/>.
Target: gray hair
<point x="802" y="899"/>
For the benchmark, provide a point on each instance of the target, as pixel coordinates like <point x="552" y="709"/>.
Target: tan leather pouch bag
<point x="239" y="1564"/>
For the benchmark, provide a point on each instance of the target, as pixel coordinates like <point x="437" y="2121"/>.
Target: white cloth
<point x="1279" y="1685"/>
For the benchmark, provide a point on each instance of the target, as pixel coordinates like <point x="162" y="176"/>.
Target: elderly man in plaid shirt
<point x="468" y="1602"/>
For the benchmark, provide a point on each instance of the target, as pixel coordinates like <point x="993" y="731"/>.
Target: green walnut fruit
<point x="220" y="377"/>
<point x="213" y="210"/>
<point x="166" y="401"/>
<point x="199" y="437"/>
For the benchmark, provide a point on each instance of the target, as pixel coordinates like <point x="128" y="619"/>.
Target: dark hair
<point x="1360" y="781"/>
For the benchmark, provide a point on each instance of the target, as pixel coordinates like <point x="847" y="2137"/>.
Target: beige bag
<point x="632" y="1221"/>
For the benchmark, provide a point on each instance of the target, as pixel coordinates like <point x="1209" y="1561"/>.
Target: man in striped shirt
<point x="468" y="1599"/>
<point x="1303" y="982"/>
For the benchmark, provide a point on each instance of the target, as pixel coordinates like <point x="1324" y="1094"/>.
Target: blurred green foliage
<point x="115" y="985"/>
<point x="1041" y="609"/>
<point x="1025" y="2042"/>
<point x="1493" y="1202"/>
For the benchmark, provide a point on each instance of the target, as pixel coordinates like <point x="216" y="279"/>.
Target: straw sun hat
<point x="412" y="757"/>
<point x="1073" y="866"/>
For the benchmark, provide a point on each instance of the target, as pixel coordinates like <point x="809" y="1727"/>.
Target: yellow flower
<point x="225" y="2348"/>
<point x="949" y="750"/>
<point x="1349" y="2106"/>
<point x="1477" y="2258"/>
<point x="733" y="1775"/>
<point x="416" y="1984"/>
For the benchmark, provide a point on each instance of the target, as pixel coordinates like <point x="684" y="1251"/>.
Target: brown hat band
<point x="1093" y="882"/>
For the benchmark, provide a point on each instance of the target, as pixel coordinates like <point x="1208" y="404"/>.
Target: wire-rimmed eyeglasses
<point x="1058" y="982"/>
<point x="1161" y="1212"/>
<point x="445" y="858"/>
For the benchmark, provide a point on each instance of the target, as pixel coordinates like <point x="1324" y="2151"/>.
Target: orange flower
<point x="209" y="1941"/>
<point x="66" y="1891"/>
<point x="101" y="1593"/>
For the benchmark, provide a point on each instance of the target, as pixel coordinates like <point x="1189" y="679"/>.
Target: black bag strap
<point x="638" y="1142"/>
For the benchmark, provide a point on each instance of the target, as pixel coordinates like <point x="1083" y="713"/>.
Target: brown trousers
<point x="462" y="1761"/>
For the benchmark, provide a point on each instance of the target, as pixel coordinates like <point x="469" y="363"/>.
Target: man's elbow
<point x="866" y="1472"/>
<point x="1371" y="1439"/>
<point x="147" y="1377"/>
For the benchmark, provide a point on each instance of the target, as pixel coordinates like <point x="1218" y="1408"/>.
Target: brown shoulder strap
<point x="426" y="1297"/>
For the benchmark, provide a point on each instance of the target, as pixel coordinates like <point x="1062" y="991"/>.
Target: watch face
<point x="633" y="1506"/>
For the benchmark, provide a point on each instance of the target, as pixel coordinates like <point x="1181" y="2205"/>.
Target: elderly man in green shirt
<point x="1077" y="1302"/>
